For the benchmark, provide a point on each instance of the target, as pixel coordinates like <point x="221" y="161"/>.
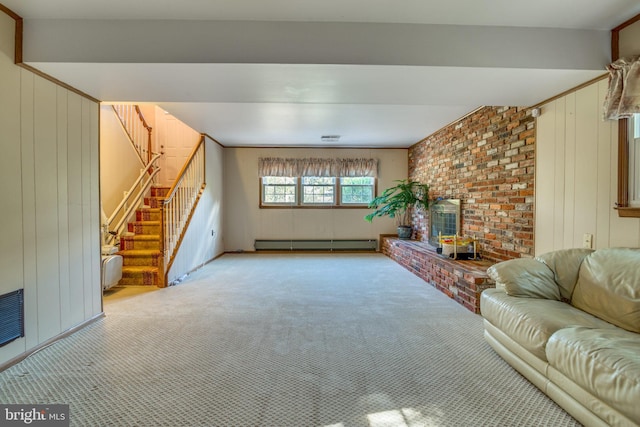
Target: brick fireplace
<point x="462" y="281"/>
<point x="486" y="160"/>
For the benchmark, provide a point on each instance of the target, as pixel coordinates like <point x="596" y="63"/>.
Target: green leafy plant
<point x="396" y="201"/>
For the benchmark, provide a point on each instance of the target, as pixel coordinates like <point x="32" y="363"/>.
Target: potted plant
<point x="395" y="202"/>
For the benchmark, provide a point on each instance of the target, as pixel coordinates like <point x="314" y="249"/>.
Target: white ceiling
<point x="380" y="73"/>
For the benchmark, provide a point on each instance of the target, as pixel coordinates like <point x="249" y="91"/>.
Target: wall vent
<point x="11" y="316"/>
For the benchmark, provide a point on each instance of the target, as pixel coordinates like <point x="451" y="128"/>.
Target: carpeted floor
<point x="324" y="340"/>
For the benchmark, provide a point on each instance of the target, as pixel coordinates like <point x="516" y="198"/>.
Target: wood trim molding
<point x="626" y="23"/>
<point x="567" y="92"/>
<point x="623" y="164"/>
<point x="622" y="205"/>
<point x="629" y="212"/>
<point x="18" y="56"/>
<point x="9" y="12"/>
<point x="213" y="139"/>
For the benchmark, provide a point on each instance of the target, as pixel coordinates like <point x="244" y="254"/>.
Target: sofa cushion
<point x="525" y="277"/>
<point x="531" y="321"/>
<point x="609" y="287"/>
<point x="604" y="362"/>
<point x="565" y="264"/>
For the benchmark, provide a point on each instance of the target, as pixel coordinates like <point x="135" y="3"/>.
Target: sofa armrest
<point x="525" y="277"/>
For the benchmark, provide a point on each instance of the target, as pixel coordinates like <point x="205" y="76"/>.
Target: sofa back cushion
<point x="609" y="287"/>
<point x="565" y="264"/>
<point x="525" y="277"/>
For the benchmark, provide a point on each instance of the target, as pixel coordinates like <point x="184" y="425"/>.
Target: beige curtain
<point x="358" y="167"/>
<point x="623" y="96"/>
<point x="275" y="166"/>
<point x="317" y="167"/>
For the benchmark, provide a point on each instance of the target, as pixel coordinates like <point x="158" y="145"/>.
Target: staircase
<point x="142" y="247"/>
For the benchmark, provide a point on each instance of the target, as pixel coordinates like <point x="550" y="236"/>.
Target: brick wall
<point x="463" y="281"/>
<point x="487" y="160"/>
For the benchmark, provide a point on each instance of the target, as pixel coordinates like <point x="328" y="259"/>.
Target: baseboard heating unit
<point x="316" y="245"/>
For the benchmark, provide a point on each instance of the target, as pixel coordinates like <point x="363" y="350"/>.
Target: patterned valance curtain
<point x="275" y="166"/>
<point x="623" y="95"/>
<point x="317" y="167"/>
<point x="359" y="167"/>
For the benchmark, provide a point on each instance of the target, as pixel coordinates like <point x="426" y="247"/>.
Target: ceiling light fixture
<point x="330" y="138"/>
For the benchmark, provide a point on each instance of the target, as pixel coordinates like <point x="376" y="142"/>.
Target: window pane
<point x="356" y="190"/>
<point x="279" y="190"/>
<point x="318" y="189"/>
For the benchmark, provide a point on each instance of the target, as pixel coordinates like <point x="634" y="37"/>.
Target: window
<point x="279" y="190"/>
<point x="623" y="44"/>
<point x="634" y="160"/>
<point x="317" y="183"/>
<point x="356" y="190"/>
<point x="318" y="190"/>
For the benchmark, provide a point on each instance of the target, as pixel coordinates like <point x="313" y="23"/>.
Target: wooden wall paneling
<point x="29" y="210"/>
<point x="11" y="244"/>
<point x="96" y="289"/>
<point x="74" y="182"/>
<point x="545" y="179"/>
<point x="586" y="178"/>
<point x="11" y="248"/>
<point x="604" y="208"/>
<point x="63" y="207"/>
<point x="570" y="166"/>
<point x="83" y="120"/>
<point x="559" y="173"/>
<point x="46" y="189"/>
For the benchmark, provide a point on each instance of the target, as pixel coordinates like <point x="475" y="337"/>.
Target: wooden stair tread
<point x="138" y="269"/>
<point x="139" y="252"/>
<point x="143" y="237"/>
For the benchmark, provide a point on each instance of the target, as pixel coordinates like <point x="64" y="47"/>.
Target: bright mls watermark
<point x="34" y="415"/>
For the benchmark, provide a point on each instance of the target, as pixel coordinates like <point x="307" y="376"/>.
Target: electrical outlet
<point x="587" y="241"/>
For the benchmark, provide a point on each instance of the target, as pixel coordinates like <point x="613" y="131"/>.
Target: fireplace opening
<point x="444" y="219"/>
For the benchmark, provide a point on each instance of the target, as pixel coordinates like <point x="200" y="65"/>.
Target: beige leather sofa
<point x="569" y="321"/>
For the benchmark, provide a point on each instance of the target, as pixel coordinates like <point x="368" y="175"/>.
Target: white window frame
<point x="342" y="186"/>
<point x="317" y="186"/>
<point x="299" y="194"/>
<point x="263" y="192"/>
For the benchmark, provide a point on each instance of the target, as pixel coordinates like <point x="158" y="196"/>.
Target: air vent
<point x="330" y="138"/>
<point x="11" y="316"/>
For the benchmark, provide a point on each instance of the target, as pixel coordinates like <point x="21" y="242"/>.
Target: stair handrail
<point x="150" y="171"/>
<point x="180" y="201"/>
<point x="133" y="129"/>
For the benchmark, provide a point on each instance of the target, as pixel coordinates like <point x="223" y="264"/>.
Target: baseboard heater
<point x="316" y="245"/>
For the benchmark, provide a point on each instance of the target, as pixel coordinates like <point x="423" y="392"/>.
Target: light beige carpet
<point x="323" y="340"/>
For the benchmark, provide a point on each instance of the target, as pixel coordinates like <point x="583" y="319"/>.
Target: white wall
<point x="50" y="230"/>
<point x="576" y="175"/>
<point x="245" y="221"/>
<point x="120" y="165"/>
<point x="203" y="240"/>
